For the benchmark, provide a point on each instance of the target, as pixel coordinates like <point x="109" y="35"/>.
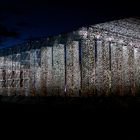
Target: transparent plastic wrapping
<point x="100" y="59"/>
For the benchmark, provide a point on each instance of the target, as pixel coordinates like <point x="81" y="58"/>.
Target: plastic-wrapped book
<point x="101" y="59"/>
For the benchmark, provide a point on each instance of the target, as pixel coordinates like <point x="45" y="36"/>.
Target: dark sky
<point x="23" y="19"/>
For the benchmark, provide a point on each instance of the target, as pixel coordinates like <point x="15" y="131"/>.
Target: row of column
<point x="14" y="73"/>
<point x="78" y="68"/>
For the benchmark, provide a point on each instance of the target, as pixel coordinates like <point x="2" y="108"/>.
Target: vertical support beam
<point x="131" y="64"/>
<point x="32" y="72"/>
<point x="6" y="70"/>
<point x="103" y="74"/>
<point x="125" y="71"/>
<point x="13" y="82"/>
<point x="137" y="70"/>
<point x="126" y="80"/>
<point x="73" y="77"/>
<point x="99" y="68"/>
<point x="88" y="67"/>
<point x="37" y="71"/>
<point x="26" y="82"/>
<point x="25" y="72"/>
<point x="4" y="82"/>
<point x="106" y="68"/>
<point x="128" y="70"/>
<point x="1" y="73"/>
<point x="46" y="66"/>
<point x="9" y="71"/>
<point x="58" y="69"/>
<point x="38" y="80"/>
<point x="49" y="71"/>
<point x="43" y="71"/>
<point x="17" y="73"/>
<point x="116" y="68"/>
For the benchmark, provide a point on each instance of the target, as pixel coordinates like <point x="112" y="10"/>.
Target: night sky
<point x="27" y="19"/>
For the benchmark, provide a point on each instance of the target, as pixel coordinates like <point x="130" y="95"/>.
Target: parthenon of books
<point x="102" y="59"/>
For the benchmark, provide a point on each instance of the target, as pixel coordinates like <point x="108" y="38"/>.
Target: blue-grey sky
<point x="23" y="19"/>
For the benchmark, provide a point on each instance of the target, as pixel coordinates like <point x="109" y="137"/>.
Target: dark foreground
<point x="111" y="115"/>
<point x="96" y="103"/>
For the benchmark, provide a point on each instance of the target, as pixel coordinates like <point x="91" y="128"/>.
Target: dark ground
<point x="106" y="103"/>
<point x="100" y="116"/>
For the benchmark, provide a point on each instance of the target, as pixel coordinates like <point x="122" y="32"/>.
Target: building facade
<point x="102" y="59"/>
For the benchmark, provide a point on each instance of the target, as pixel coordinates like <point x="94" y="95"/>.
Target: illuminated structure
<point x="99" y="59"/>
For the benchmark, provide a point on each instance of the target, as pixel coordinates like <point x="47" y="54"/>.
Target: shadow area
<point x="78" y="104"/>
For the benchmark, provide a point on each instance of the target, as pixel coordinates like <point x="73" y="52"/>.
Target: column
<point x="32" y="72"/>
<point x="128" y="70"/>
<point x="116" y="69"/>
<point x="88" y="67"/>
<point x="73" y="77"/>
<point x="137" y="70"/>
<point x="46" y="67"/>
<point x="103" y="68"/>
<point x="58" y="69"/>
